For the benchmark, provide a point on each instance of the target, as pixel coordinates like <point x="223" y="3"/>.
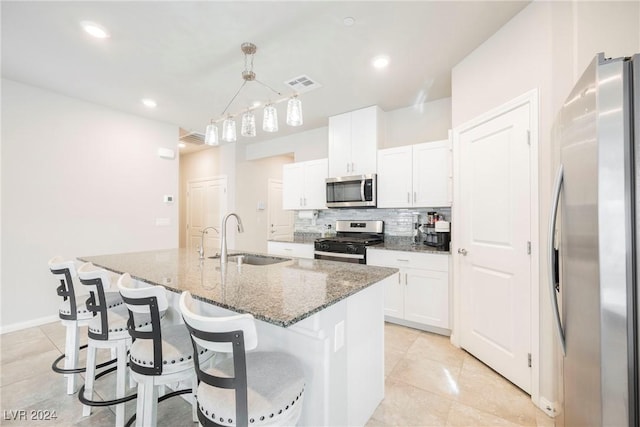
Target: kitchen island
<point x="328" y="314"/>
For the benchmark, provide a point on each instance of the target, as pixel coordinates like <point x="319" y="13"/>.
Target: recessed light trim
<point x="149" y="103"/>
<point x="380" y="61"/>
<point x="95" y="30"/>
<point x="349" y="21"/>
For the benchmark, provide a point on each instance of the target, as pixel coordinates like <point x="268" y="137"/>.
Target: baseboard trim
<point x="28" y="324"/>
<point x="548" y="407"/>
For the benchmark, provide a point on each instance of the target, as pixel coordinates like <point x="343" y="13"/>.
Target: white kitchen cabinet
<point x="353" y="141"/>
<point x="290" y="249"/>
<point x="420" y="297"/>
<point x="415" y="175"/>
<point x="303" y="185"/>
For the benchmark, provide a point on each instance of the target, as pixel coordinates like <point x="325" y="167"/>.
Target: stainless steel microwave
<point x="352" y="191"/>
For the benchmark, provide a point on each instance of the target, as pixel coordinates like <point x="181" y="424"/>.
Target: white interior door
<point x="206" y="203"/>
<point x="279" y="221"/>
<point x="494" y="243"/>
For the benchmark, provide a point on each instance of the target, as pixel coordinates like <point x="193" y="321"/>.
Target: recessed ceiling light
<point x="181" y="144"/>
<point x="349" y="21"/>
<point x="150" y="103"/>
<point x="380" y="61"/>
<point x="95" y="30"/>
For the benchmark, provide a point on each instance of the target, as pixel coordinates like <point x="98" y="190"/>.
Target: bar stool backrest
<point x="66" y="271"/>
<point x="150" y="300"/>
<point x="98" y="280"/>
<point x="239" y="322"/>
<point x="230" y="334"/>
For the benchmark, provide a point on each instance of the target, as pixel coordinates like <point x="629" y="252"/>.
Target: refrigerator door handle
<point x="554" y="279"/>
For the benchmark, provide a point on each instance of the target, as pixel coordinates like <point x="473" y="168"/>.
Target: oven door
<point x="337" y="256"/>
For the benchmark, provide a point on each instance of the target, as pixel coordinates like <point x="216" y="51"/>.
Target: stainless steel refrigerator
<point x="594" y="250"/>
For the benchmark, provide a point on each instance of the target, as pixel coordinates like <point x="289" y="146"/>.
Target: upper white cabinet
<point x="415" y="175"/>
<point x="303" y="185"/>
<point x="353" y="141"/>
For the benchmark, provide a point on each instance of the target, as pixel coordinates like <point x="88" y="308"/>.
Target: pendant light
<point x="248" y="121"/>
<point x="294" y="112"/>
<point x="270" y="119"/>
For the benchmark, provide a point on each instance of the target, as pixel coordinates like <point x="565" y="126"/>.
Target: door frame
<point x="530" y="98"/>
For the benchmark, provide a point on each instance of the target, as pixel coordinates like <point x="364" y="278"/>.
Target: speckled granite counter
<point x="281" y="294"/>
<point x="408" y="247"/>
<point x="304" y="238"/>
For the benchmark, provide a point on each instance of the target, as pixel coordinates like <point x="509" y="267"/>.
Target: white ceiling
<point x="186" y="55"/>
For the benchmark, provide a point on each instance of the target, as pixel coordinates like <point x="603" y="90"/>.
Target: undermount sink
<point x="253" y="259"/>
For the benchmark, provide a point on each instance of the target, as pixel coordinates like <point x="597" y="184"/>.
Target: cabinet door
<point x="299" y="250"/>
<point x="292" y="185"/>
<point x="315" y="194"/>
<point x="426" y="298"/>
<point x="394" y="298"/>
<point x="340" y="145"/>
<point x="431" y="174"/>
<point x="364" y="140"/>
<point x="395" y="177"/>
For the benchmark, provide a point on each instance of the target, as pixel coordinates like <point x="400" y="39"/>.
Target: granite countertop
<point x="304" y="238"/>
<point x="281" y="294"/>
<point x="409" y="247"/>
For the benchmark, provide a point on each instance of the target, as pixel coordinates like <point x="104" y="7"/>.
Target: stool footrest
<point x="112" y="402"/>
<point x="56" y="368"/>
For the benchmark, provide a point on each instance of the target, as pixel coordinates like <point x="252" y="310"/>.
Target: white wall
<point x="546" y="46"/>
<point x="77" y="179"/>
<point x="425" y="122"/>
<point x="308" y="145"/>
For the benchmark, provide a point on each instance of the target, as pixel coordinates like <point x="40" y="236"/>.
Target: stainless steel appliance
<point x="437" y="236"/>
<point x="351" y="241"/>
<point x="593" y="254"/>
<point x="352" y="191"/>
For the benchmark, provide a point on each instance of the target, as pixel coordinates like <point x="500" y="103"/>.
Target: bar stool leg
<point x="140" y="404"/>
<point x="194" y="402"/>
<point x="151" y="404"/>
<point x="121" y="381"/>
<point x="71" y="355"/>
<point x="89" y="378"/>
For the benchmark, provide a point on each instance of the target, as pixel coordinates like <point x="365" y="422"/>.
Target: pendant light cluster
<point x="248" y="118"/>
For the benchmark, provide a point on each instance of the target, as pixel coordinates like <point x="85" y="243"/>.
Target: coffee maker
<point x="437" y="235"/>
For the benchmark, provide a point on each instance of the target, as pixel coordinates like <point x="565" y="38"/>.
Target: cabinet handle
<point x="414" y="197"/>
<point x="353" y="167"/>
<point x="403" y="260"/>
<point x="288" y="249"/>
<point x="347" y="167"/>
<point x="301" y="202"/>
<point x="408" y="197"/>
<point x="405" y="279"/>
<point x="305" y="201"/>
<point x="399" y="279"/>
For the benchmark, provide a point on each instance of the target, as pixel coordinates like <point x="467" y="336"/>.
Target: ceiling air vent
<point x="302" y="84"/>
<point x="191" y="137"/>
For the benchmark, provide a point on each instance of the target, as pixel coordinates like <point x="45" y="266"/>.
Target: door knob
<point x="462" y="252"/>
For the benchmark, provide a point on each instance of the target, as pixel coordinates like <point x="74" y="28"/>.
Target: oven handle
<point x="362" y="190"/>
<point x="339" y="255"/>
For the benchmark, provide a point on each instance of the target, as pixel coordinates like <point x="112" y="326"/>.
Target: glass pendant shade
<point x="211" y="135"/>
<point x="294" y="112"/>
<point x="270" y="119"/>
<point x="229" y="130"/>
<point x="248" y="127"/>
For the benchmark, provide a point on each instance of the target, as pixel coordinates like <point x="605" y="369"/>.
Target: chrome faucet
<point x="204" y="231"/>
<point x="223" y="241"/>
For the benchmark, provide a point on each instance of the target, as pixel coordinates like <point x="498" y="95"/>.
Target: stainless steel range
<point x="351" y="241"/>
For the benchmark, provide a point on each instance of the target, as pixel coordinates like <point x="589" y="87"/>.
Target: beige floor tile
<point x="438" y="348"/>
<point x="485" y="390"/>
<point x="399" y="338"/>
<point x="544" y="420"/>
<point x="405" y="405"/>
<point x="466" y="416"/>
<point x="428" y="375"/>
<point x="16" y="338"/>
<point x="32" y="390"/>
<point x="26" y="348"/>
<point x="391" y="359"/>
<point x="27" y="367"/>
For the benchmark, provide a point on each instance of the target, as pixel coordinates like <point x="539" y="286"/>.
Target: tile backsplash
<point x="397" y="222"/>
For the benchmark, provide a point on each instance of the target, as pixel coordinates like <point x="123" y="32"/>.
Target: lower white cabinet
<point x="420" y="296"/>
<point x="290" y="249"/>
